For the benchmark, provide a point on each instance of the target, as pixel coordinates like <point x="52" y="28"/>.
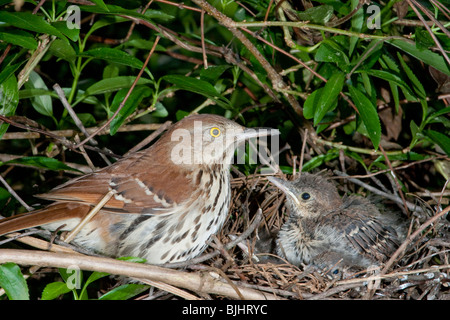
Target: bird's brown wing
<point x="358" y="220"/>
<point x="137" y="189"/>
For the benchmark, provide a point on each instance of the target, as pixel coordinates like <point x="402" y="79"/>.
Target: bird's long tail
<point x="53" y="213"/>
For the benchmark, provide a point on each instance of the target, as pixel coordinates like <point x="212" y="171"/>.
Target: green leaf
<point x="63" y="50"/>
<point x="213" y="73"/>
<point x="73" y="34"/>
<point x="370" y="55"/>
<point x="114" y="84"/>
<point x="30" y="93"/>
<point x="328" y="98"/>
<point x="160" y="111"/>
<point x="319" y="160"/>
<point x="124" y="292"/>
<point x="42" y="104"/>
<point x="417" y="85"/>
<point x="13" y="282"/>
<point x="29" y="21"/>
<point x="41" y="162"/>
<point x="95" y="276"/>
<point x="9" y="99"/>
<point x="320" y="14"/>
<point x="442" y="140"/>
<point x="101" y="4"/>
<point x="115" y="56"/>
<point x="197" y="86"/>
<point x="391" y="78"/>
<point x="330" y="51"/>
<point x="116" y="10"/>
<point x="311" y="102"/>
<point x="437" y="114"/>
<point x="357" y="24"/>
<point x="428" y="57"/>
<point x="133" y="101"/>
<point x="368" y="114"/>
<point x="54" y="290"/>
<point x="20" y="38"/>
<point x="9" y="71"/>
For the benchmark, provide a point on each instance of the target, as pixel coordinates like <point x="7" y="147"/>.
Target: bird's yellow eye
<point x="215" y="132"/>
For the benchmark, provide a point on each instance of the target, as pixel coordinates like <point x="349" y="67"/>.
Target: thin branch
<point x="395" y="179"/>
<point x="202" y="28"/>
<point x="435" y="39"/>
<point x="149" y="139"/>
<point x="409" y="239"/>
<point x="196" y="282"/>
<point x="398" y="200"/>
<point x="14" y="194"/>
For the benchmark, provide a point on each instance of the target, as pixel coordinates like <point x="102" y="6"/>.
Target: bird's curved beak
<point x="286" y="187"/>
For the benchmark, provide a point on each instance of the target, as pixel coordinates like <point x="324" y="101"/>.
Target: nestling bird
<point x="325" y="229"/>
<point x="165" y="201"/>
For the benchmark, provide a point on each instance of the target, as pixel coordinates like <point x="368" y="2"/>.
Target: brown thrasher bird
<point x="161" y="204"/>
<point x="325" y="230"/>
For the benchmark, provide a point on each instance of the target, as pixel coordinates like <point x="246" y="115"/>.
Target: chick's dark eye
<point x="335" y="271"/>
<point x="305" y="196"/>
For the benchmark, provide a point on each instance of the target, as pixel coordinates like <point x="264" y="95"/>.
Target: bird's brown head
<point x="309" y="195"/>
<point x="207" y="139"/>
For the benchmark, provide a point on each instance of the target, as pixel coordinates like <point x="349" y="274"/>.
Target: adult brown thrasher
<point x="324" y="229"/>
<point x="165" y="201"/>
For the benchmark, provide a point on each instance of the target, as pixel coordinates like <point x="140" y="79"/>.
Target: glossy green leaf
<point x="319" y="15"/>
<point x="29" y="21"/>
<point x="54" y="290"/>
<point x="13" y="282"/>
<point x="42" y="104"/>
<point x="330" y="51"/>
<point x="116" y="10"/>
<point x="442" y="140"/>
<point x="368" y="113"/>
<point x="9" y="71"/>
<point x="73" y="34"/>
<point x="114" y="84"/>
<point x="213" y="73"/>
<point x="63" y="50"/>
<point x="328" y="98"/>
<point x="20" y="38"/>
<point x="197" y="86"/>
<point x="319" y="160"/>
<point x="124" y="292"/>
<point x="9" y="99"/>
<point x="30" y="93"/>
<point x="101" y="4"/>
<point x="417" y="85"/>
<point x="391" y="78"/>
<point x="115" y="56"/>
<point x="428" y="57"/>
<point x="41" y="162"/>
<point x="309" y="107"/>
<point x="133" y="101"/>
<point x="438" y="113"/>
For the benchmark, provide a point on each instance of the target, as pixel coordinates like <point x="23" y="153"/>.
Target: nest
<point x="420" y="269"/>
